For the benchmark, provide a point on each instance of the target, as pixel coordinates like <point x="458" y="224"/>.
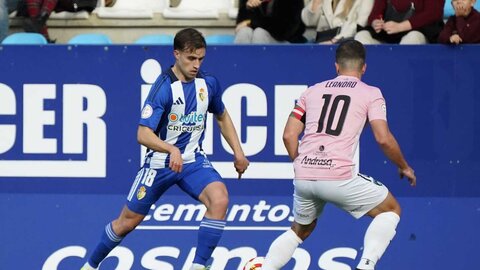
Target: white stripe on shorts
<point x="135" y="184"/>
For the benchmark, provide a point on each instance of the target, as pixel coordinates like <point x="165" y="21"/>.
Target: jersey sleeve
<point x="154" y="106"/>
<point x="377" y="109"/>
<point x="215" y="105"/>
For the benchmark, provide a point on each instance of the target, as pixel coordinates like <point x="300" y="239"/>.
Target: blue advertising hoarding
<point x="68" y="155"/>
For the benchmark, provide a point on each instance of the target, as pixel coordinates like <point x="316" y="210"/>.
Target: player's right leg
<point x="148" y="186"/>
<point x="282" y="248"/>
<point x="306" y="208"/>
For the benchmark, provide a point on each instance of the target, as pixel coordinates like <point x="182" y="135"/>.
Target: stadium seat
<point x="219" y="39"/>
<point x="25" y="38"/>
<point x="92" y="39"/>
<point x="158" y="39"/>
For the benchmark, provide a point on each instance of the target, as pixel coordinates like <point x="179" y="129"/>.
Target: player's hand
<point x="409" y="173"/>
<point x="241" y="164"/>
<point x="176" y="160"/>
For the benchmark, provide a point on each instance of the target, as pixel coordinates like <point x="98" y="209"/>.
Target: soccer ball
<point x="254" y="264"/>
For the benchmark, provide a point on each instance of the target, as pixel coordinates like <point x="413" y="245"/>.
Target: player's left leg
<point x="306" y="209"/>
<point x="215" y="198"/>
<point x="380" y="232"/>
<point x="201" y="181"/>
<point x="363" y="195"/>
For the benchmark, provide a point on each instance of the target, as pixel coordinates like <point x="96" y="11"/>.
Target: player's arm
<point x="149" y="139"/>
<point x="230" y="134"/>
<point x="293" y="129"/>
<point x="390" y="147"/>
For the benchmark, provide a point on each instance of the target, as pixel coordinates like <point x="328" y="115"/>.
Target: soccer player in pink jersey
<point x="332" y="115"/>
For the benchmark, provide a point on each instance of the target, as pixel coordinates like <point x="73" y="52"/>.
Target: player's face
<point x="188" y="62"/>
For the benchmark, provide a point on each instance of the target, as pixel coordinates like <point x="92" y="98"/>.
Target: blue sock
<point x="209" y="234"/>
<point x="109" y="241"/>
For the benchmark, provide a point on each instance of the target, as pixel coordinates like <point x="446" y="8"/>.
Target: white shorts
<point x="357" y="196"/>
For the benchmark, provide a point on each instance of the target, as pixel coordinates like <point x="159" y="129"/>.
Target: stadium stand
<point x="127" y="21"/>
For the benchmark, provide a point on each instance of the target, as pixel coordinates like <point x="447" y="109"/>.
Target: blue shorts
<point x="150" y="183"/>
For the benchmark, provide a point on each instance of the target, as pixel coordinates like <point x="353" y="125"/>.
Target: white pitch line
<point x="231" y="228"/>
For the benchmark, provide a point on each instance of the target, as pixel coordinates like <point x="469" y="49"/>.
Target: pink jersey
<point x="335" y="113"/>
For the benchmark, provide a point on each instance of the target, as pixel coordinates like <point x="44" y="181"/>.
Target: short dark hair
<point x="189" y="39"/>
<point x="350" y="55"/>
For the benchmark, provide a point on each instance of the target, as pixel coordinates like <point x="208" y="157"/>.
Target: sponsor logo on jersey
<point x="185" y="128"/>
<point x="191" y="118"/>
<point x="183" y="122"/>
<point x="315" y="161"/>
<point x="320" y="152"/>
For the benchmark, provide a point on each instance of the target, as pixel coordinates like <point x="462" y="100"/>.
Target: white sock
<point x="197" y="266"/>
<point x="281" y="250"/>
<point x="87" y="266"/>
<point x="377" y="238"/>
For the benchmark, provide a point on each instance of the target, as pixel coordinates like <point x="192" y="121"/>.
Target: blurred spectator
<point x="270" y="21"/>
<point x="464" y="26"/>
<point x="3" y="19"/>
<point x="336" y="19"/>
<point x="404" y="22"/>
<point x="6" y="7"/>
<point x="36" y="13"/>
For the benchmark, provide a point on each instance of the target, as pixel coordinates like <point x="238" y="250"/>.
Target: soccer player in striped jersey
<point x="172" y="128"/>
<point x="332" y="115"/>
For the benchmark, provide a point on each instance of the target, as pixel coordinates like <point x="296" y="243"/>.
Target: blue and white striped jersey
<point x="177" y="111"/>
